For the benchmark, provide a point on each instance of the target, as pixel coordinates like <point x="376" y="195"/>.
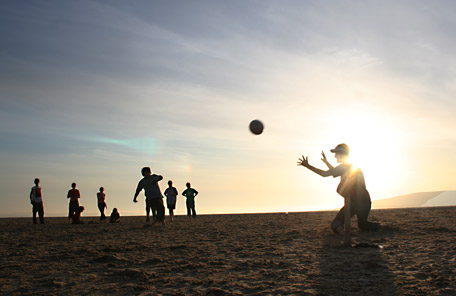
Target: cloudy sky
<point x="92" y="91"/>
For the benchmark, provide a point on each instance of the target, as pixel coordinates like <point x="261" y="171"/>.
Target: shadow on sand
<point x="356" y="270"/>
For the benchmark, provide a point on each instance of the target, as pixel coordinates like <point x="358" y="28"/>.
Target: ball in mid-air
<point x="256" y="127"/>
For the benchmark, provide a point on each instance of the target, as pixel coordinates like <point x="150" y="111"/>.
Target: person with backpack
<point x="352" y="185"/>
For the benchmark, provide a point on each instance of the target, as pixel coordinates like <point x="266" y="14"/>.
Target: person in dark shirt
<point x="171" y="199"/>
<point x="190" y="194"/>
<point x="154" y="197"/>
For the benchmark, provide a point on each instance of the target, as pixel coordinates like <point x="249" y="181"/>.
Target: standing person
<point x="190" y="194"/>
<point x="154" y="198"/>
<point x="171" y="199"/>
<point x="352" y="184"/>
<point x="101" y="203"/>
<point x="73" y="195"/>
<point x="36" y="199"/>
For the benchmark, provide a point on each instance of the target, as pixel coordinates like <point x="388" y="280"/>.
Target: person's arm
<point x="157" y="177"/>
<point x="68" y="195"/>
<point x="79" y="194"/>
<point x="304" y="161"/>
<point x="31" y="195"/>
<point x="325" y="160"/>
<point x="138" y="190"/>
<point x="196" y="193"/>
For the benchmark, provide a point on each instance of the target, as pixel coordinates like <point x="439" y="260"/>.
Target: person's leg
<point x="101" y="209"/>
<point x="194" y="211"/>
<point x="337" y="225"/>
<point x="147" y="210"/>
<point x="74" y="205"/>
<point x="362" y="212"/>
<point x="189" y="209"/>
<point x="171" y="211"/>
<point x="160" y="210"/>
<point x="41" y="213"/>
<point x="34" y="211"/>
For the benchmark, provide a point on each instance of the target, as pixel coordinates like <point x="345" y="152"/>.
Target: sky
<point x="92" y="91"/>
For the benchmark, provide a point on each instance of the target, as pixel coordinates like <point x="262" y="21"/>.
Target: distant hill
<point x="420" y="199"/>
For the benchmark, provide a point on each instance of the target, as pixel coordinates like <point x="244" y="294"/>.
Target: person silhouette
<point x="101" y="196"/>
<point x="73" y="195"/>
<point x="154" y="198"/>
<point x="76" y="218"/>
<point x="171" y="199"/>
<point x="352" y="185"/>
<point x="115" y="216"/>
<point x="36" y="198"/>
<point x="190" y="194"/>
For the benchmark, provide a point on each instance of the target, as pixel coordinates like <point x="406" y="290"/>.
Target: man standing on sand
<point x="154" y="198"/>
<point x="36" y="199"/>
<point x="171" y="198"/>
<point x="73" y="195"/>
<point x="190" y="194"/>
<point x="351" y="185"/>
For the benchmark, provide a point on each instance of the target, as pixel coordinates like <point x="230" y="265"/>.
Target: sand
<point x="257" y="254"/>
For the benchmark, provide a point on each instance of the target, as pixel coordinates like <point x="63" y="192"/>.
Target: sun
<point x="375" y="145"/>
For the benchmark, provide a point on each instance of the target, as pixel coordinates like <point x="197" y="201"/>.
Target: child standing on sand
<point x="36" y="199"/>
<point x="73" y="195"/>
<point x="190" y="194"/>
<point x="154" y="198"/>
<point x="171" y="198"/>
<point x="351" y="185"/>
<point x="101" y="203"/>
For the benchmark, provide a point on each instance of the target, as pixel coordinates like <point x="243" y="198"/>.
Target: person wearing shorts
<point x="171" y="198"/>
<point x="154" y="197"/>
<point x="352" y="184"/>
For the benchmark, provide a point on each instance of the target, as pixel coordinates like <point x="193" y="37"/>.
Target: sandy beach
<point x="248" y="254"/>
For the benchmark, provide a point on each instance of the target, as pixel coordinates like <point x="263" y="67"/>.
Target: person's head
<point x="101" y="189"/>
<point x="146" y="171"/>
<point x="81" y="209"/>
<point x="170" y="183"/>
<point x="37" y="181"/>
<point x="114" y="210"/>
<point x="342" y="152"/>
<point x="188" y="184"/>
<point x="73" y="185"/>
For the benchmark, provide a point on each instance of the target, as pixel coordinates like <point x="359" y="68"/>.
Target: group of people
<point x="154" y="200"/>
<point x="352" y="186"/>
<point x="75" y="210"/>
<point x="154" y="197"/>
